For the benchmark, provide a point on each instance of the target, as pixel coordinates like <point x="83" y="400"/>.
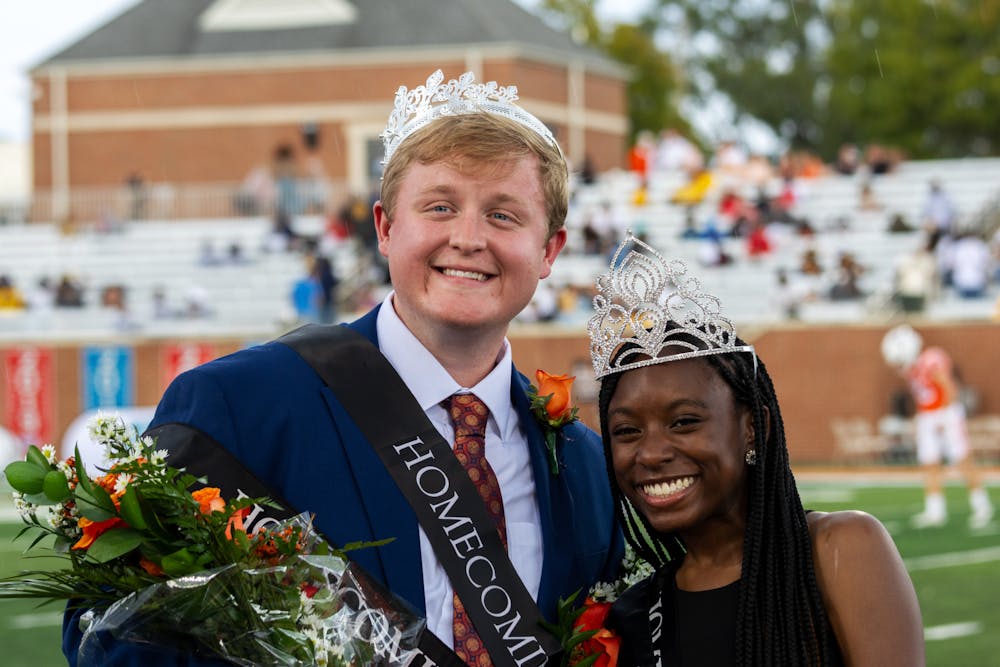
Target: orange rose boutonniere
<point x="551" y="405"/>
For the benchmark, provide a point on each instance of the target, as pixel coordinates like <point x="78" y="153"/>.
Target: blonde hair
<point x="479" y="139"/>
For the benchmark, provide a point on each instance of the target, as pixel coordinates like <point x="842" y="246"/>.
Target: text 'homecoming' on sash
<point x="426" y="474"/>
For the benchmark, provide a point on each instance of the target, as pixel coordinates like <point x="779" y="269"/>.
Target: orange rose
<point x="604" y="642"/>
<point x="236" y="522"/>
<point x="94" y="529"/>
<point x="558" y="387"/>
<point x="151" y="567"/>
<point x="209" y="500"/>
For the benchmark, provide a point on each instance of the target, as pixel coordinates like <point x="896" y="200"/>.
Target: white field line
<point x="40" y="620"/>
<point x="934" y="561"/>
<point x="952" y="630"/>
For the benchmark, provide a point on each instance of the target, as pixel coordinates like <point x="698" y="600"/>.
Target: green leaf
<point x="55" y="487"/>
<point x="131" y="509"/>
<point x="83" y="479"/>
<point x="179" y="563"/>
<point x="114" y="543"/>
<point x="95" y="503"/>
<point x="35" y="457"/>
<point x="25" y="477"/>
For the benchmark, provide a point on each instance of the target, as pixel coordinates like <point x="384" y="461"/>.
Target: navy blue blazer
<point x="269" y="408"/>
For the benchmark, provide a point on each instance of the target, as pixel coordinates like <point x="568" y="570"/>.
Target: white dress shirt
<point x="506" y="451"/>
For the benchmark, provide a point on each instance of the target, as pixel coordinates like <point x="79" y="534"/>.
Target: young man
<point x="473" y="201"/>
<point x="940" y="428"/>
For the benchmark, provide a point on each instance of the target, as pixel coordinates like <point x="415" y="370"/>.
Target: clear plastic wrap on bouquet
<point x="310" y="610"/>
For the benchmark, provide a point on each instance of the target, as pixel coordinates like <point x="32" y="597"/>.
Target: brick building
<point x="196" y="92"/>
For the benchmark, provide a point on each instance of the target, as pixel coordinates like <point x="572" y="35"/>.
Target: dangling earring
<point x="751" y="457"/>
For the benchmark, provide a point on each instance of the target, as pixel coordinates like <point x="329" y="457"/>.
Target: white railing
<point x="165" y="201"/>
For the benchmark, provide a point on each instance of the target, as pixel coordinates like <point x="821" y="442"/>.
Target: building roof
<point x="205" y="28"/>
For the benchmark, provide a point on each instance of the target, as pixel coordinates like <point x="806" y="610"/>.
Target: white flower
<point x="50" y="453"/>
<point x="122" y="481"/>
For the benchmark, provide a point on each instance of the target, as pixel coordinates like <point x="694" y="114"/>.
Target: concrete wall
<point x="820" y="373"/>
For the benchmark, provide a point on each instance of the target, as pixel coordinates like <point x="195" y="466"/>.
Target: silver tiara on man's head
<point x="416" y="108"/>
<point x="648" y="310"/>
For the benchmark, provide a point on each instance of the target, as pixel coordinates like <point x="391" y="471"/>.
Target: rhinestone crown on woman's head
<point x="416" y="108"/>
<point x="650" y="304"/>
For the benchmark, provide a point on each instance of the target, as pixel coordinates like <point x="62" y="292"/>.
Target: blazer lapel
<point x="384" y="512"/>
<point x="555" y="507"/>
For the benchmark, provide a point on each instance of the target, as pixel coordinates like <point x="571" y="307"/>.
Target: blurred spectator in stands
<point x="711" y="249"/>
<point x="758" y="172"/>
<point x="640" y="196"/>
<point x="695" y="190"/>
<point x="867" y="201"/>
<point x="207" y="256"/>
<point x="543" y="307"/>
<point x="809" y="264"/>
<point x="848" y="159"/>
<point x="938" y="212"/>
<point x="880" y="160"/>
<point x="161" y="307"/>
<point x="69" y="292"/>
<point x="675" y="152"/>
<point x="970" y="265"/>
<point x="641" y="155"/>
<point x="995" y="251"/>
<point x="916" y="279"/>
<point x="235" y="254"/>
<point x="306" y="293"/>
<point x="338" y="229"/>
<point x="799" y="164"/>
<point x="846" y="276"/>
<point x="256" y="194"/>
<point x="898" y="224"/>
<point x="729" y="158"/>
<point x="281" y="237"/>
<point x="788" y="295"/>
<point x="113" y="300"/>
<point x="758" y="243"/>
<point x="327" y="278"/>
<point x="42" y="297"/>
<point x="315" y="185"/>
<point x="10" y="297"/>
<point x="285" y="173"/>
<point x="138" y="196"/>
<point x="735" y="213"/>
<point x="588" y="172"/>
<point x="608" y="223"/>
<point x="197" y="304"/>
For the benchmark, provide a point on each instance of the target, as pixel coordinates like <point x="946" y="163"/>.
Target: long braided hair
<point x="781" y="619"/>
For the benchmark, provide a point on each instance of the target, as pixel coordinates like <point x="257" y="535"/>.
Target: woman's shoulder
<point x="842" y="525"/>
<point x="847" y="536"/>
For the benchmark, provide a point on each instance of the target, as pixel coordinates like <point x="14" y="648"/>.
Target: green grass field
<point x="956" y="573"/>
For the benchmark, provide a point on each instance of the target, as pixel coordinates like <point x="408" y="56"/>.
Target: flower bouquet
<point x="158" y="563"/>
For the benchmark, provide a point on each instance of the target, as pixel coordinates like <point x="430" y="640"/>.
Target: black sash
<point x="438" y="489"/>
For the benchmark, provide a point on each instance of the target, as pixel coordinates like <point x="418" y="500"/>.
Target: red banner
<point x="30" y="409"/>
<point x="180" y="357"/>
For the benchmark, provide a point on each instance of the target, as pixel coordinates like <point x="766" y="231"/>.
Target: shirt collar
<point x="428" y="380"/>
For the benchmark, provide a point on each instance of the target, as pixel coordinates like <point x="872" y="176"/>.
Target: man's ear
<point x="382" y="224"/>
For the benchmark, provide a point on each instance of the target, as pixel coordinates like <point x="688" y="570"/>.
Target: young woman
<point x="697" y="459"/>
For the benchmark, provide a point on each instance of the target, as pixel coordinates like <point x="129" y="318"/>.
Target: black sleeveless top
<point x="687" y="628"/>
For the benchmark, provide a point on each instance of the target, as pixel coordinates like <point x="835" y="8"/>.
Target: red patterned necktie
<point x="468" y="416"/>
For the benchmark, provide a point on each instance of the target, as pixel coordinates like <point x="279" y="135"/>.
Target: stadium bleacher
<point x="252" y="299"/>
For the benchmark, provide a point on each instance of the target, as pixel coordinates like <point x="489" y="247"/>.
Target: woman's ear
<point x="748" y="427"/>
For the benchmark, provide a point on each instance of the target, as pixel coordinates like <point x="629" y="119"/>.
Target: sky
<point x="30" y="32"/>
<point x="33" y="30"/>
